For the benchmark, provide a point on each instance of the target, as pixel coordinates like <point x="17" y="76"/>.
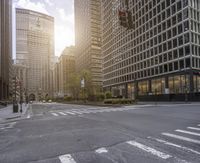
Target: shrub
<point x="118" y="101"/>
<point x="108" y="95"/>
<point x="100" y="97"/>
<point x="67" y="98"/>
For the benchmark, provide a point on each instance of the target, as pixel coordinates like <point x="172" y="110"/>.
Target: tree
<point x="73" y="85"/>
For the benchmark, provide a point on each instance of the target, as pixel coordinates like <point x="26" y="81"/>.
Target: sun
<point x="64" y="36"/>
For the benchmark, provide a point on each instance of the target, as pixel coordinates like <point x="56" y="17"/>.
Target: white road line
<point x="198" y="125"/>
<point x="188" y="132"/>
<point x="174" y="145"/>
<point x="69" y="112"/>
<point x="101" y="150"/>
<point x="54" y="114"/>
<point x="66" y="159"/>
<point x="62" y="113"/>
<point x="77" y="112"/>
<point x="181" y="138"/>
<point x="194" y="128"/>
<point x="149" y="150"/>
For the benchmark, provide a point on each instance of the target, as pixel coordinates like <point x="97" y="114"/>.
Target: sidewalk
<point x="6" y="113"/>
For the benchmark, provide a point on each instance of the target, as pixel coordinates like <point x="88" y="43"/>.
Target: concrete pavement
<point x="131" y="134"/>
<point x="6" y="113"/>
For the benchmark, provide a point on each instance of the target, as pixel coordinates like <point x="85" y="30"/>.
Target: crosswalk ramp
<point x="164" y="148"/>
<point x="74" y="112"/>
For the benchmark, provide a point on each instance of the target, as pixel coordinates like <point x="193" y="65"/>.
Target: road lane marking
<point x="77" y="112"/>
<point x="66" y="159"/>
<point x="194" y="128"/>
<point x="69" y="112"/>
<point x="188" y="132"/>
<point x="174" y="145"/>
<point x="7" y="125"/>
<point x="54" y="114"/>
<point x="181" y="138"/>
<point x="149" y="150"/>
<point x="101" y="150"/>
<point x="62" y="113"/>
<point x="198" y="125"/>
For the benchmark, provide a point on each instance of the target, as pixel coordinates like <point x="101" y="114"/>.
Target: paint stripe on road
<point x="149" y="150"/>
<point x="188" y="132"/>
<point x="62" y="113"/>
<point x="69" y="112"/>
<point x="181" y="138"/>
<point x="77" y="112"/>
<point x="174" y="145"/>
<point x="66" y="159"/>
<point x="54" y="114"/>
<point x="101" y="150"/>
<point x="194" y="128"/>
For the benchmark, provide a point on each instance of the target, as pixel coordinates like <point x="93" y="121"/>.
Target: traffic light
<point x="123" y="18"/>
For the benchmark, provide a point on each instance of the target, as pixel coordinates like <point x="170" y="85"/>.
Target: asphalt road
<point x="59" y="133"/>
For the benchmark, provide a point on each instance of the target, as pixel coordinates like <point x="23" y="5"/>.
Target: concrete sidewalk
<point x="6" y="113"/>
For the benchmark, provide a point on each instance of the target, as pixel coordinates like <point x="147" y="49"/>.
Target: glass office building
<point x="159" y="58"/>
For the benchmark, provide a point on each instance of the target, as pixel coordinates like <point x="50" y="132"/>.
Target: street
<point x="65" y="133"/>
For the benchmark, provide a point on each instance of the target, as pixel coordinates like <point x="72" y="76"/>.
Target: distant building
<point x="88" y="38"/>
<point x="62" y="71"/>
<point x="159" y="57"/>
<point x="35" y="50"/>
<point x="5" y="47"/>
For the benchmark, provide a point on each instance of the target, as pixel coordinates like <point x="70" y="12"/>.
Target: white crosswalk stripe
<point x="89" y="111"/>
<point x="77" y="112"/>
<point x="67" y="159"/>
<point x="194" y="128"/>
<point x="70" y="112"/>
<point x="54" y="114"/>
<point x="175" y="145"/>
<point x="7" y="125"/>
<point x="188" y="132"/>
<point x="149" y="150"/>
<point x="181" y="138"/>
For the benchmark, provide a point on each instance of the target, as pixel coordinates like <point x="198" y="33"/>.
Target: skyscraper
<point x="35" y="50"/>
<point x="88" y="38"/>
<point x="159" y="57"/>
<point x="5" y="46"/>
<point x="62" y="71"/>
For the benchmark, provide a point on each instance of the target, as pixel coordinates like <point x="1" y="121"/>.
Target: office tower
<point x="5" y="47"/>
<point x="158" y="58"/>
<point x="88" y="38"/>
<point x="35" y="50"/>
<point x="62" y="71"/>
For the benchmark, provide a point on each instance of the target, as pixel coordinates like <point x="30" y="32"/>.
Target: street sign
<point x="83" y="83"/>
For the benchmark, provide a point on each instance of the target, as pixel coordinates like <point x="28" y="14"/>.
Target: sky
<point x="63" y="13"/>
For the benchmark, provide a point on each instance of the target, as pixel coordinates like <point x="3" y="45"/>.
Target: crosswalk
<point x="160" y="147"/>
<point x="74" y="112"/>
<point x="8" y="125"/>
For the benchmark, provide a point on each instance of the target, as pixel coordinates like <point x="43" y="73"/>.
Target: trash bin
<point x="15" y="108"/>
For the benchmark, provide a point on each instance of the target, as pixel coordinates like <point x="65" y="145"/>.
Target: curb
<point x="16" y="118"/>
